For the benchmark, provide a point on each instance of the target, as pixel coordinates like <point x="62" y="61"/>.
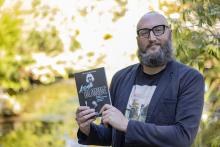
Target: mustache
<point x="152" y="44"/>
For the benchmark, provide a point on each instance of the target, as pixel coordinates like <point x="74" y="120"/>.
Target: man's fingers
<point x="106" y="119"/>
<point x="108" y="111"/>
<point x="85" y="112"/>
<point x="87" y="122"/>
<point x="81" y="108"/>
<point x="86" y="117"/>
<point x="105" y="107"/>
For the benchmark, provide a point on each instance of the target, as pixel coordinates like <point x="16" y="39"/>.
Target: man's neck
<point x="153" y="70"/>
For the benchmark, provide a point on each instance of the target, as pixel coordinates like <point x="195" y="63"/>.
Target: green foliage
<point x="206" y="12"/>
<point x="46" y="41"/>
<point x="119" y="14"/>
<point x="210" y="135"/>
<point x="17" y="42"/>
<point x="107" y="36"/>
<point x="75" y="44"/>
<point x="1" y="2"/>
<point x="12" y="72"/>
<point x="13" y="75"/>
<point x="197" y="39"/>
<point x="10" y="30"/>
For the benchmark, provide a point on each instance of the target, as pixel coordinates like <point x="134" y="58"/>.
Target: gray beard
<point x="156" y="59"/>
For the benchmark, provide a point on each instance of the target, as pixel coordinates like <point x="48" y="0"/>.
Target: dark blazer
<point x="173" y="115"/>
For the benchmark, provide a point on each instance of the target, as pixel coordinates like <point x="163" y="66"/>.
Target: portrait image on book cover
<point x="87" y="86"/>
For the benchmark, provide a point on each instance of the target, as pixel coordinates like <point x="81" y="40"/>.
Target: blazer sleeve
<point x="188" y="115"/>
<point x="99" y="135"/>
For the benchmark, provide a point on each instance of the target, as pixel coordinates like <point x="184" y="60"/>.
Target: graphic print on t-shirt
<point x="139" y="101"/>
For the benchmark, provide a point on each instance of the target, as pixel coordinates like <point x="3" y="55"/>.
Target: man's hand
<point x="114" y="117"/>
<point x="84" y="117"/>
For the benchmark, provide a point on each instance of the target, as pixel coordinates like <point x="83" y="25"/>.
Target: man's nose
<point x="152" y="37"/>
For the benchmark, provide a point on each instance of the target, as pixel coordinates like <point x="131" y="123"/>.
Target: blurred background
<point x="44" y="42"/>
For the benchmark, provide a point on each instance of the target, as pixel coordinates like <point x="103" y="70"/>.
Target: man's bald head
<point x="151" y="19"/>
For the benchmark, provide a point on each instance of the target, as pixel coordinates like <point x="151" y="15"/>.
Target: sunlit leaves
<point x="83" y="12"/>
<point x="107" y="36"/>
<point x="121" y="12"/>
<point x="90" y="54"/>
<point x="36" y="3"/>
<point x="75" y="44"/>
<point x="13" y="75"/>
<point x="45" y="41"/>
<point x="1" y="2"/>
<point x="211" y="135"/>
<point x="212" y="50"/>
<point x="20" y="36"/>
<point x="170" y="7"/>
<point x="10" y="29"/>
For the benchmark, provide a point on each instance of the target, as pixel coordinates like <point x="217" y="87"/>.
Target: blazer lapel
<point x="162" y="85"/>
<point x="126" y="88"/>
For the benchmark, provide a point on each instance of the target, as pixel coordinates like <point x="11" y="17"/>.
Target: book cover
<point x="92" y="88"/>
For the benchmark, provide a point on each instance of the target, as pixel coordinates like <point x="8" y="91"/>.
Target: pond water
<point x="47" y="118"/>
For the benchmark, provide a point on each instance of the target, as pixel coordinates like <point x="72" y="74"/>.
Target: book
<point x="92" y="89"/>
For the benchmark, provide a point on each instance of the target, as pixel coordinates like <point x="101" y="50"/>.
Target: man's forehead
<point x="151" y="19"/>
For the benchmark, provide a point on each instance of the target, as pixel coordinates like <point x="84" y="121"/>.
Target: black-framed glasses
<point x="157" y="30"/>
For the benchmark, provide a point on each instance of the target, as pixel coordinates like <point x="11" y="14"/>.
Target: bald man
<point x="155" y="103"/>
